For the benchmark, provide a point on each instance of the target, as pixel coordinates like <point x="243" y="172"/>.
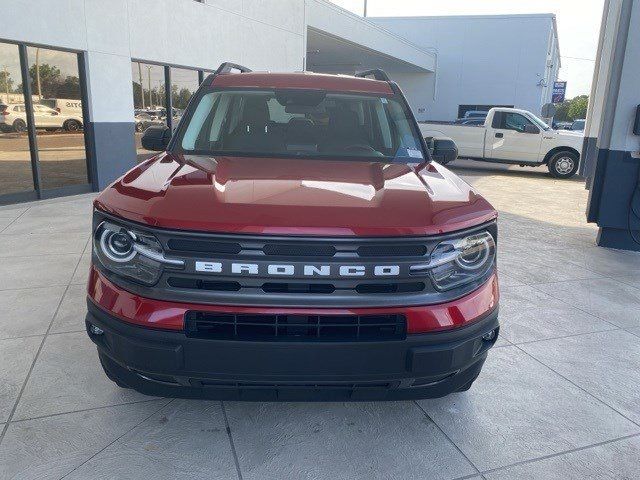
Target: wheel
<point x="109" y="368"/>
<point x="564" y="164"/>
<point x="72" y="125"/>
<point x="19" y="125"/>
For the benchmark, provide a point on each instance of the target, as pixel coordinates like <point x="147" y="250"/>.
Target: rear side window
<point x="301" y="123"/>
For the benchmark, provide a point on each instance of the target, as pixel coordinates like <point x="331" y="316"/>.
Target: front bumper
<point x="168" y="363"/>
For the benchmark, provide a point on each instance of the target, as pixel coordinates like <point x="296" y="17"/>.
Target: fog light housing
<point x="490" y="336"/>
<point x="95" y="330"/>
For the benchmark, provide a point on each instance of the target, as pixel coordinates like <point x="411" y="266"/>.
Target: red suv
<point x="293" y="241"/>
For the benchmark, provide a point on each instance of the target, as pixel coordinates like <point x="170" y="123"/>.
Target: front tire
<point x="564" y="164"/>
<point x="19" y="125"/>
<point x="72" y="126"/>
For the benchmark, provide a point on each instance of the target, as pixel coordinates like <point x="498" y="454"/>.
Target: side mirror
<point x="531" y="129"/>
<point x="156" y="138"/>
<point x="444" y="150"/>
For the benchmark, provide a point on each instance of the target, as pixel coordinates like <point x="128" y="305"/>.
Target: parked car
<point x="475" y="114"/>
<point x="293" y="240"/>
<point x="14" y="118"/>
<point x="144" y="121"/>
<point x="578" y="125"/>
<point x="562" y="125"/>
<point x="470" y="121"/>
<point x="513" y="136"/>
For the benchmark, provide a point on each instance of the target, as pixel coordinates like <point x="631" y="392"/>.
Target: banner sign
<point x="559" y="90"/>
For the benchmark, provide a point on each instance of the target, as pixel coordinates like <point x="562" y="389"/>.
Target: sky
<point x="578" y="26"/>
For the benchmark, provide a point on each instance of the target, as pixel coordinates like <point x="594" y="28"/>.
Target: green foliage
<point x="570" y="110"/>
<point x="47" y="81"/>
<point x="181" y="98"/>
<point x="578" y="107"/>
<point x="6" y="82"/>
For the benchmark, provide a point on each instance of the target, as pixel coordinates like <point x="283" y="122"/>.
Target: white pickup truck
<point x="512" y="136"/>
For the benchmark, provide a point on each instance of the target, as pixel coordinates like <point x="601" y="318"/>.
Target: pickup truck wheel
<point x="564" y="164"/>
<point x="72" y="125"/>
<point x="19" y="125"/>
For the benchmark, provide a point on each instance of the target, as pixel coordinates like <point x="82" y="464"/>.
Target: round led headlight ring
<point x="117" y="246"/>
<point x="474" y="256"/>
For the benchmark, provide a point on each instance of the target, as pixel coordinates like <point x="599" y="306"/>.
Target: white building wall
<point x="481" y="60"/>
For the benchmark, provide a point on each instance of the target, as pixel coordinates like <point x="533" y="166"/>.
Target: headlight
<point x="459" y="261"/>
<point x="131" y="253"/>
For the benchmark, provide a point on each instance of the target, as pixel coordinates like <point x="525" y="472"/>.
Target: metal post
<point x="149" y="82"/>
<point x="87" y="125"/>
<point x="6" y="81"/>
<point x="167" y="97"/>
<point x="31" y="125"/>
<point x="365" y="8"/>
<point x="141" y="84"/>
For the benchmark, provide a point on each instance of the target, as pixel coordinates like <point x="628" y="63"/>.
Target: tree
<point x="49" y="80"/>
<point x="562" y="112"/>
<point x="570" y="110"/>
<point x="69" y="88"/>
<point x="578" y="107"/>
<point x="6" y="82"/>
<point x="181" y="98"/>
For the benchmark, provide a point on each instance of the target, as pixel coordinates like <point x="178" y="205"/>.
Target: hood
<point x="295" y="196"/>
<point x="567" y="137"/>
<point x="569" y="133"/>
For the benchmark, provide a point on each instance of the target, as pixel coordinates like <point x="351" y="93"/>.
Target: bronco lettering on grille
<point x="304" y="270"/>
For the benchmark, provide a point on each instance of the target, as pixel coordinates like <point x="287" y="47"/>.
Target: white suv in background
<point x="13" y="118"/>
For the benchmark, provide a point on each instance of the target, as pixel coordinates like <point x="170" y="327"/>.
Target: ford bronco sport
<point x="294" y="240"/>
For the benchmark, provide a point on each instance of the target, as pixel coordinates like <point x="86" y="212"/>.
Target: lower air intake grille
<point x="299" y="328"/>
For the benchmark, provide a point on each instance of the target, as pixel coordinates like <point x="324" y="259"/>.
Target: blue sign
<point x="559" y="91"/>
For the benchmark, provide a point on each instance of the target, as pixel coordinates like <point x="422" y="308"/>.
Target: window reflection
<point x="148" y="101"/>
<point x="57" y="113"/>
<point x="184" y="83"/>
<point x="15" y="157"/>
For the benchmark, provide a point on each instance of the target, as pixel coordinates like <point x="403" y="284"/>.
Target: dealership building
<point x="80" y="79"/>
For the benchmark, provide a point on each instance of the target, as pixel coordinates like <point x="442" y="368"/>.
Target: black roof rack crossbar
<point x="376" y="73"/>
<point x="226" y="67"/>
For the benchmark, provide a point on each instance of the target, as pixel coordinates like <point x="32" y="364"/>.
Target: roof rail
<point x="226" y="67"/>
<point x="376" y="73"/>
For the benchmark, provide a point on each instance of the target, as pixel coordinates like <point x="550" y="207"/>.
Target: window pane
<point x="184" y="83"/>
<point x="57" y="97"/>
<point x="148" y="101"/>
<point x="15" y="159"/>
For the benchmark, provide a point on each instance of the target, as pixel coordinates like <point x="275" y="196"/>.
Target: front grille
<point x="302" y="250"/>
<point x="203" y="246"/>
<point x="299" y="328"/>
<point x="298" y="271"/>
<point x="326" y="288"/>
<point x="198" y="284"/>
<point x="390" y="287"/>
<point x="392" y="250"/>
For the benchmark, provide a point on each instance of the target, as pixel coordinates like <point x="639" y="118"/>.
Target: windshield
<point x="539" y="122"/>
<point x="303" y="123"/>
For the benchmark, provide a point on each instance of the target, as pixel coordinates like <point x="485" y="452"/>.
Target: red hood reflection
<point x="295" y="196"/>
